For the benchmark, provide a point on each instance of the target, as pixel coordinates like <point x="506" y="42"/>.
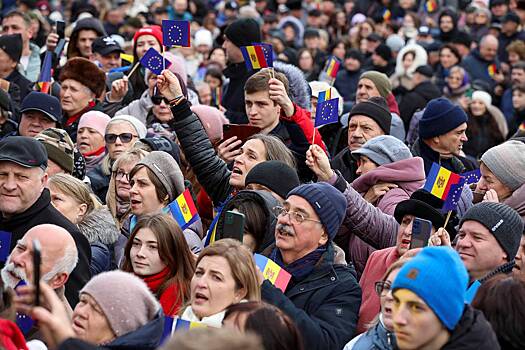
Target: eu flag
<point x="327" y="112"/>
<point x="5" y="245"/>
<point x="153" y="61"/>
<point x="267" y="50"/>
<point x="176" y="33"/>
<point x="451" y="202"/>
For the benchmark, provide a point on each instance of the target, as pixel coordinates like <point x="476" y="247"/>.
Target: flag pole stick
<point x="133" y="70"/>
<point x="163" y="60"/>
<point x="313" y="138"/>
<point x="448" y="218"/>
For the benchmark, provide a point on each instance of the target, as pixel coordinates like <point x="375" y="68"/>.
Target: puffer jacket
<point x="376" y="338"/>
<point x="324" y="305"/>
<point x="364" y="229"/>
<point x="102" y="233"/>
<point x="147" y="337"/>
<point x="267" y="202"/>
<point x="408" y="174"/>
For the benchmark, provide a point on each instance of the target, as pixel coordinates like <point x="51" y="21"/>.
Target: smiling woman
<point x="220" y="281"/>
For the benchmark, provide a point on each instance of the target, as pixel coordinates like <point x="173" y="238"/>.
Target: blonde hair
<point x="76" y="189"/>
<point x="241" y="263"/>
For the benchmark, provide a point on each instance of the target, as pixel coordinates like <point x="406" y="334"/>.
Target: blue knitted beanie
<point x="327" y="202"/>
<point x="437" y="275"/>
<point x="440" y="116"/>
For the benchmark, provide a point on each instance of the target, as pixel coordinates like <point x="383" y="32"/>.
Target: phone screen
<point x="60" y="29"/>
<point x="36" y="269"/>
<point x="243" y="132"/>
<point x="233" y="225"/>
<point x="421" y="231"/>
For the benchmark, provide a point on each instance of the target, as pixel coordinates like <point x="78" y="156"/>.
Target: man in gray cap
<point x="25" y="202"/>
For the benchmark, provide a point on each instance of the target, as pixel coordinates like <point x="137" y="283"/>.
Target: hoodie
<point x="83" y="24"/>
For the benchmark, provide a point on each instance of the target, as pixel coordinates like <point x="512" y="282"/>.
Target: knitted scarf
<point x="169" y="297"/>
<point x="300" y="268"/>
<point x="94" y="158"/>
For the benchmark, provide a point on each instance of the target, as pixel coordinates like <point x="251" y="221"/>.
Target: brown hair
<point x="275" y="149"/>
<point x="160" y="190"/>
<point x="241" y="263"/>
<point x="501" y="299"/>
<point x="259" y="81"/>
<point x="211" y="338"/>
<point x="173" y="251"/>
<point x="518" y="47"/>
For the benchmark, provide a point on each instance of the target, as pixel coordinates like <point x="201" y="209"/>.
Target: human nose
<point x="10" y="183"/>
<point x="399" y="316"/>
<point x="482" y="185"/>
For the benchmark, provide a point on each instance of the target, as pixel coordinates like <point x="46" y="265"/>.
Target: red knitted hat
<point x="154" y="30"/>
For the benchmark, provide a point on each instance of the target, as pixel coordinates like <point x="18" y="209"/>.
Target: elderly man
<point x="482" y="63"/>
<point x="442" y="132"/>
<point x="39" y="112"/>
<point x="323" y="296"/>
<point x="25" y="202"/>
<point x="59" y="257"/>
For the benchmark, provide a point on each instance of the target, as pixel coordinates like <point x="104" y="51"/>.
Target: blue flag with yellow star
<point x="451" y="202"/>
<point x="327" y="112"/>
<point x="5" y="245"/>
<point x="176" y="33"/>
<point x="152" y="60"/>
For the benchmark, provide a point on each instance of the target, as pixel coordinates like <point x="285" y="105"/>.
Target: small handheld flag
<point x="387" y="15"/>
<point x="471" y="177"/>
<point x="451" y="202"/>
<point x="176" y="33"/>
<point x="267" y="50"/>
<point x="254" y="57"/>
<point x="278" y="276"/>
<point x="492" y="69"/>
<point x="172" y="325"/>
<point x="431" y="6"/>
<point x="324" y="96"/>
<point x="5" y="245"/>
<point x="183" y="209"/>
<point x="154" y="61"/>
<point x="44" y="79"/>
<point x="327" y="112"/>
<point x="332" y="67"/>
<point x="439" y="181"/>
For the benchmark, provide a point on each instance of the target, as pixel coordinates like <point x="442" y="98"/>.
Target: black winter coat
<point x="417" y="98"/>
<point x="43" y="212"/>
<point x="233" y="97"/>
<point x="324" y="306"/>
<point x="346" y="164"/>
<point x="455" y="164"/>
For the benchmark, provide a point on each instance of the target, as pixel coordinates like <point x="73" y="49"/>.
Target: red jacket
<point x="303" y="118"/>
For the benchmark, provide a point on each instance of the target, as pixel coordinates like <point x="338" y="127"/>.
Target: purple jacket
<point x="408" y="174"/>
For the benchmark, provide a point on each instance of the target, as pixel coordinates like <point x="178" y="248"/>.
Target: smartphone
<point x="233" y="225"/>
<point x="421" y="231"/>
<point x="60" y="29"/>
<point x="37" y="260"/>
<point x="243" y="132"/>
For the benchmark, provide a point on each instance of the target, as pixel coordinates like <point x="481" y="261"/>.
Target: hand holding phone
<point x="37" y="254"/>
<point x="421" y="231"/>
<point x="243" y="132"/>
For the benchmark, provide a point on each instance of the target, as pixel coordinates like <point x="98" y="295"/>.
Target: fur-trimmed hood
<point x="99" y="226"/>
<point x="299" y="89"/>
<point x="420" y="59"/>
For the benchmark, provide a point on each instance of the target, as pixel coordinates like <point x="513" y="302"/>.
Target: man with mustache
<point x="59" y="257"/>
<point x="323" y="296"/>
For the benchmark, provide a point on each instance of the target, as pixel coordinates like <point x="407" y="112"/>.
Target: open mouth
<point x="236" y="170"/>
<point x="77" y="325"/>
<point x="200" y="298"/>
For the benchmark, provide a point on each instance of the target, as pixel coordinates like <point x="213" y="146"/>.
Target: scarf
<point x="169" y="298"/>
<point x="75" y="117"/>
<point x="300" y="268"/>
<point x="212" y="321"/>
<point x="94" y="158"/>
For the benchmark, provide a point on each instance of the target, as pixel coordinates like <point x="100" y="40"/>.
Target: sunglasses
<point x="158" y="98"/>
<point x="124" y="137"/>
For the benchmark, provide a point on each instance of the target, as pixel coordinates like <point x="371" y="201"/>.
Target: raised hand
<point x="318" y="162"/>
<point x="169" y="85"/>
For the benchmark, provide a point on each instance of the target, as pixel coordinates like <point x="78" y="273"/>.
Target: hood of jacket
<point x="409" y="174"/>
<point x="99" y="226"/>
<point x="265" y="201"/>
<point x="83" y="24"/>
<point x="420" y="59"/>
<point x="145" y="338"/>
<point x="472" y="332"/>
<point x="299" y="89"/>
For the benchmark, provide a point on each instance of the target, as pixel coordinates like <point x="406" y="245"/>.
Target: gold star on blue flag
<point x="267" y="50"/>
<point x="176" y="33"/>
<point x="327" y="112"/>
<point x="153" y="61"/>
<point x="471" y="177"/>
<point x="451" y="202"/>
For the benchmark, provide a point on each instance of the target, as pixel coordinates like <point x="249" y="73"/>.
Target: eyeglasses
<point x="119" y="175"/>
<point x="124" y="137"/>
<point x="383" y="287"/>
<point x="296" y="217"/>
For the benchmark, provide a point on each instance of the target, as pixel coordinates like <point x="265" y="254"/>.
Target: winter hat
<point x="203" y="37"/>
<point x="95" y="120"/>
<point x="358" y="18"/>
<point x="212" y="120"/>
<point x="274" y="174"/>
<point x="395" y="42"/>
<point x="163" y="144"/>
<point x="243" y="32"/>
<point x="502" y="221"/>
<point x="376" y="110"/>
<point x="166" y="170"/>
<point x="59" y="146"/>
<point x="483" y="97"/>
<point x="137" y="124"/>
<point x="422" y="204"/>
<point x="12" y="46"/>
<point x="425" y="70"/>
<point x="126" y="310"/>
<point x="380" y="80"/>
<point x="85" y="72"/>
<point x="44" y="103"/>
<point x="440" y="116"/>
<point x="154" y="30"/>
<point x="327" y="202"/>
<point x="24" y="151"/>
<point x="384" y="149"/>
<point x="384" y="52"/>
<point x="507" y="162"/>
<point x="438" y="276"/>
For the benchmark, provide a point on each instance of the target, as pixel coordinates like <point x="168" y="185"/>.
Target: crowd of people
<point x="97" y="149"/>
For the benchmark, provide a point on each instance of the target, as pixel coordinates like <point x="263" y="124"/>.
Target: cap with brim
<point x="47" y="114"/>
<point x="43" y="103"/>
<point x="24" y="151"/>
